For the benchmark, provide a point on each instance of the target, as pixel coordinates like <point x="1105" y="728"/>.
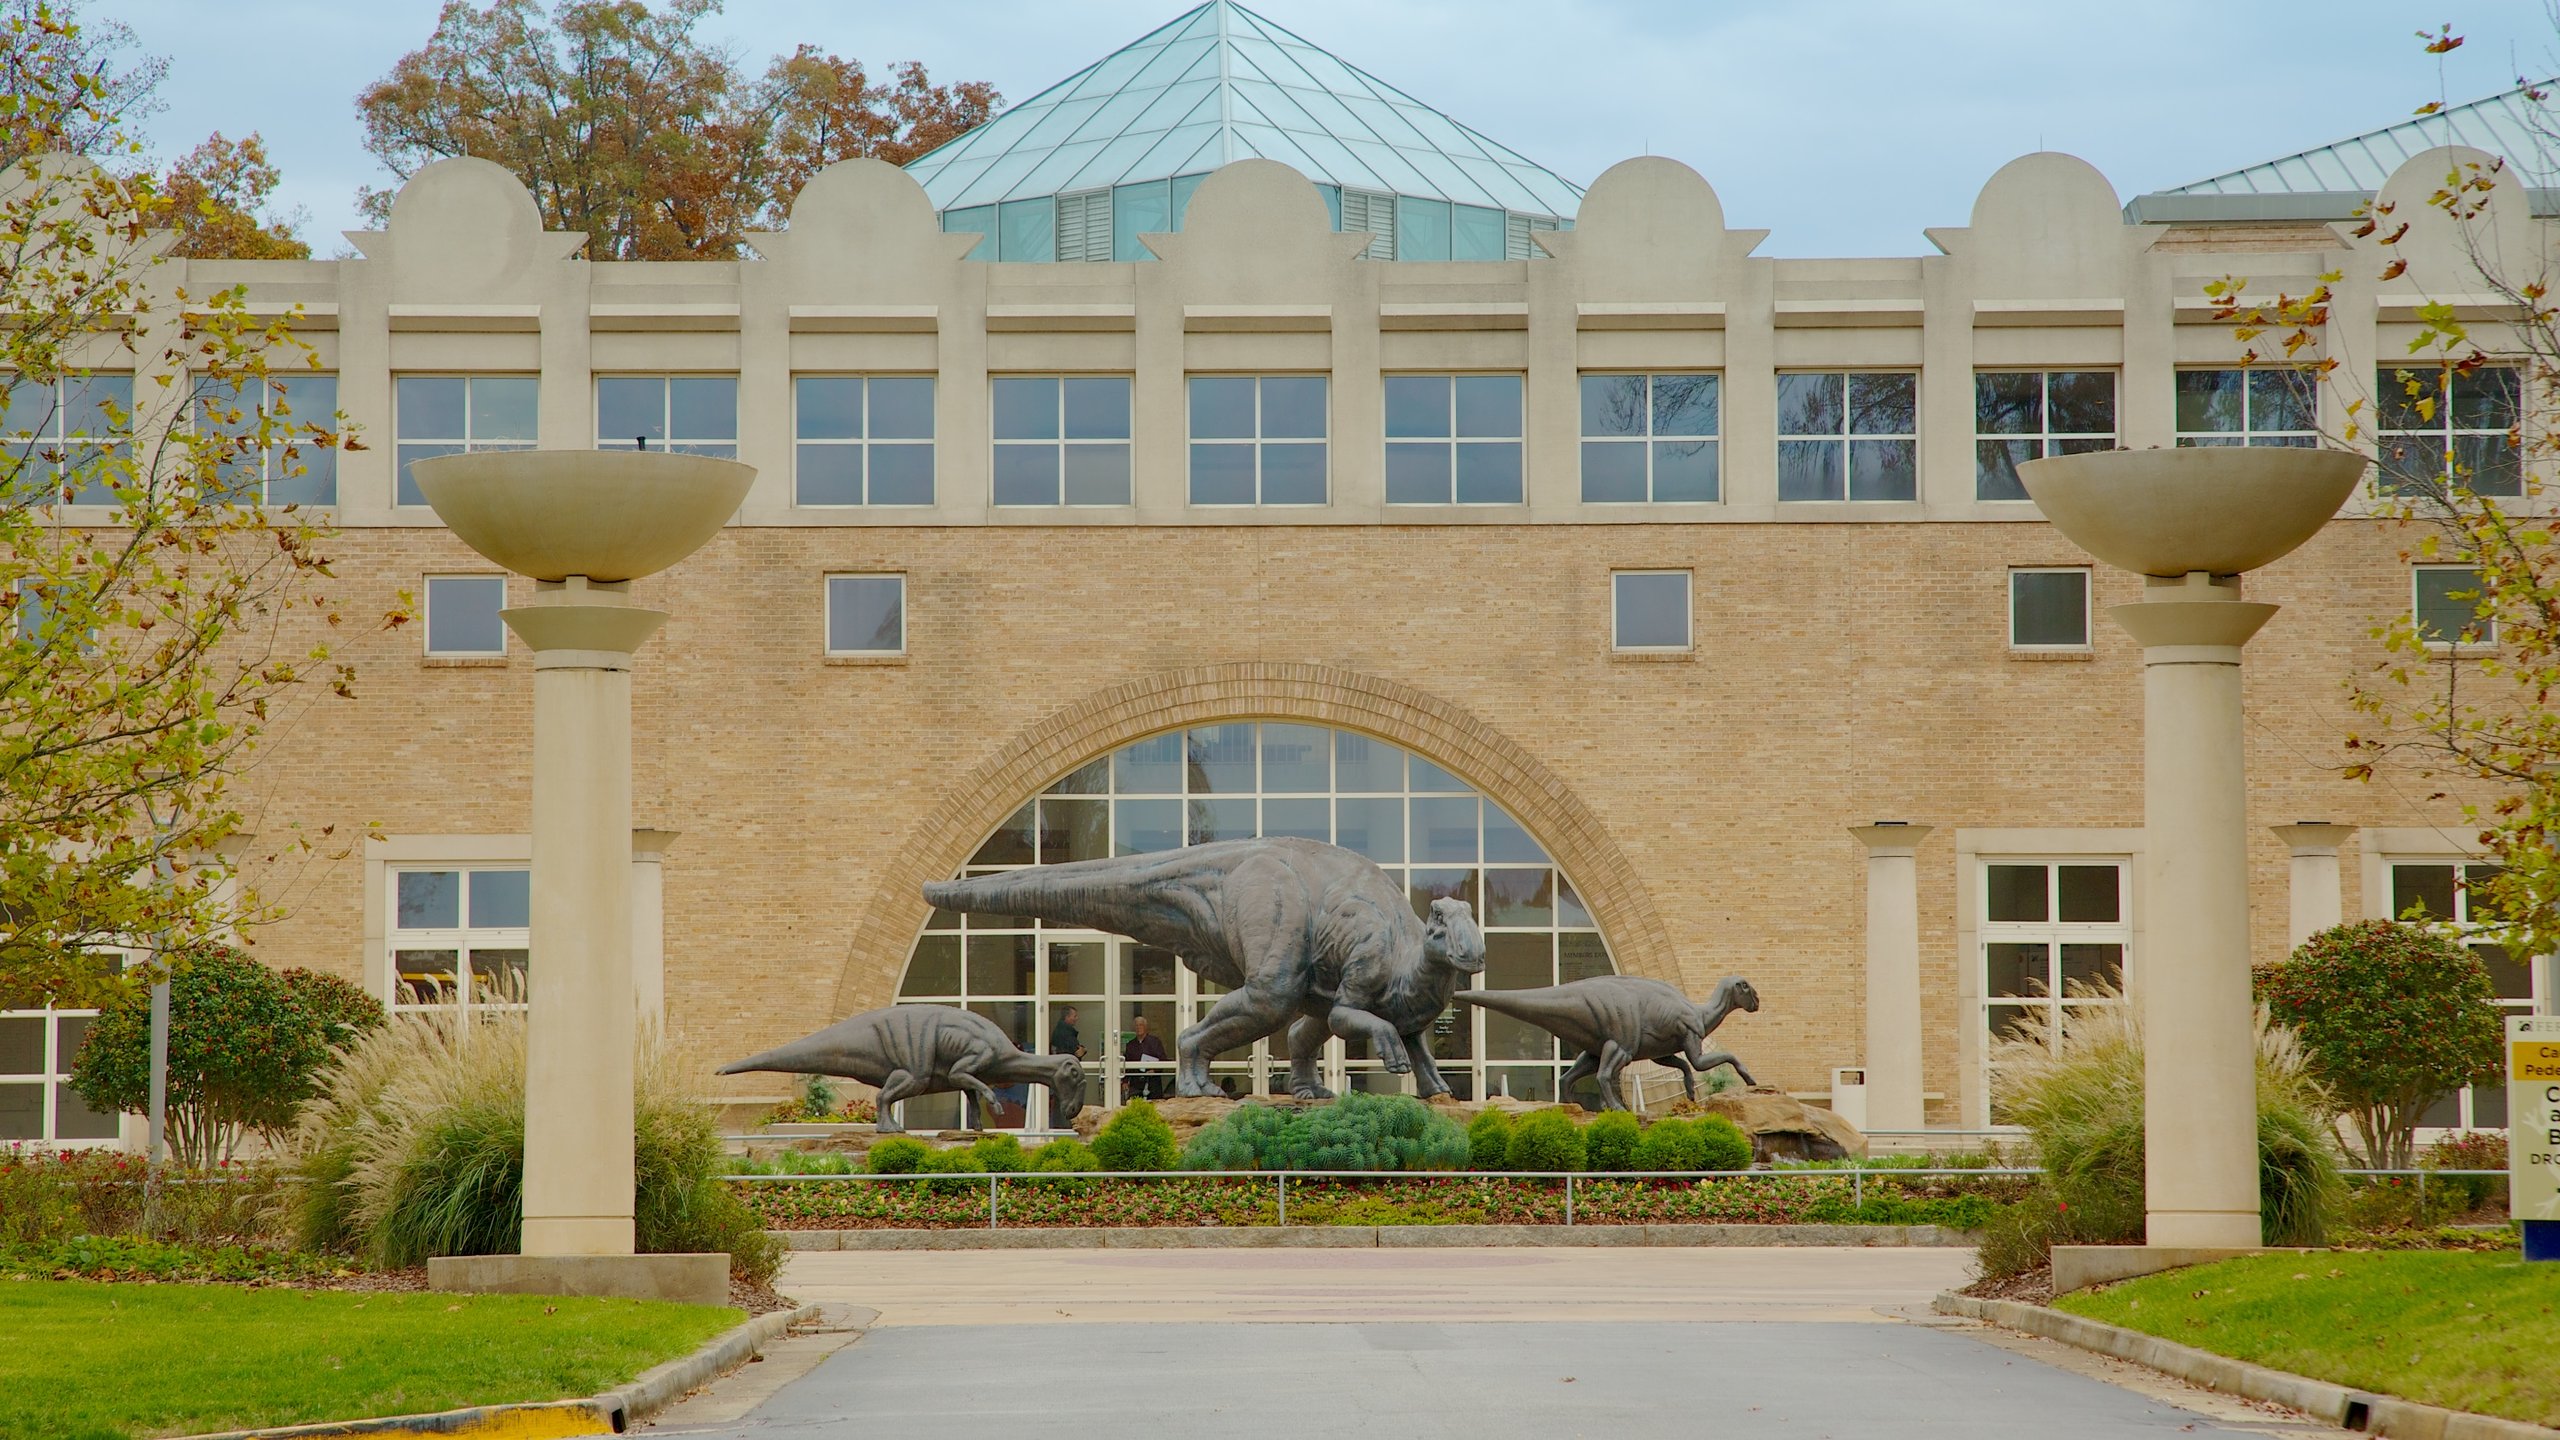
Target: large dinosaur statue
<point x="1306" y="936"/>
<point x="911" y="1050"/>
<point x="1616" y="1020"/>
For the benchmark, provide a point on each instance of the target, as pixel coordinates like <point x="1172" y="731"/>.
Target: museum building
<point x="1224" y="443"/>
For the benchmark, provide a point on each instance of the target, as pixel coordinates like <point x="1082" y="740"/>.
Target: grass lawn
<point x="87" y="1361"/>
<point x="2467" y="1331"/>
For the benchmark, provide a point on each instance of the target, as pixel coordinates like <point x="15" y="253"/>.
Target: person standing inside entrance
<point x="1063" y="1039"/>
<point x="1144" y="1045"/>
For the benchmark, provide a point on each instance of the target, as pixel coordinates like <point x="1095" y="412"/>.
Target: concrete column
<point x="2199" y="1057"/>
<point x="583" y="1004"/>
<point x="649" y="923"/>
<point x="1894" y="1098"/>
<point x="2318" y="902"/>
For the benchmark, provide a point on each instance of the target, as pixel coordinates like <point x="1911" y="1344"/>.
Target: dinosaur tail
<point x="1083" y="892"/>
<point x="804" y="1056"/>
<point x="1529" y="1005"/>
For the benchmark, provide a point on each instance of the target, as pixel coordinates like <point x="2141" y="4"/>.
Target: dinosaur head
<point x="1739" y="992"/>
<point x="1066" y="1092"/>
<point x="1450" y="936"/>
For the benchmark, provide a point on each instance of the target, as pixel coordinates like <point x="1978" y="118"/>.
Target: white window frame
<point x="2443" y="431"/>
<point x="1848" y="437"/>
<point x="2485" y="641"/>
<point x="930" y="444"/>
<point x="1126" y="440"/>
<point x="2053" y="931"/>
<point x="2088" y="609"/>
<point x="826" y="611"/>
<point x="1645" y="442"/>
<point x="53" y="1081"/>
<point x="56" y="437"/>
<point x="426" y="616"/>
<point x="1260" y="443"/>
<point x="288" y="432"/>
<point x="2468" y="933"/>
<point x="466" y="443"/>
<point x="718" y="447"/>
<point x="1975" y="850"/>
<point x="1688" y="614"/>
<point x="1455" y="443"/>
<point x="463" y="939"/>
<point x="2048" y="441"/>
<point x="2250" y="434"/>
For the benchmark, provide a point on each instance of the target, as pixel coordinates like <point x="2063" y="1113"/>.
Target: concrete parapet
<point x="687" y="1279"/>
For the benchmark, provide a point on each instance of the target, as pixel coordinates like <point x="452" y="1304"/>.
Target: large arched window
<point x="1428" y="829"/>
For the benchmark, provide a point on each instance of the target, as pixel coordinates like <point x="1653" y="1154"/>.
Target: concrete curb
<point x="2339" y="1405"/>
<point x="1368" y="1237"/>
<point x="610" y="1413"/>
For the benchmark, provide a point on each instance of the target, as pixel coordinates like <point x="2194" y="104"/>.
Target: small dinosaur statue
<point x="910" y="1050"/>
<point x="1616" y="1020"/>
<point x="1304" y="935"/>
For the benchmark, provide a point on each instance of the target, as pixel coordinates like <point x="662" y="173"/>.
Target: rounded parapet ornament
<point x="2175" y="512"/>
<point x="609" y="515"/>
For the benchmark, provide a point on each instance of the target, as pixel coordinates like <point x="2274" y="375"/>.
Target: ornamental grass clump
<point x="1356" y="1132"/>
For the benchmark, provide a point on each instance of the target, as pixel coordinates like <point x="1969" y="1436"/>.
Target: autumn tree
<point x="51" y="49"/>
<point x="627" y="124"/>
<point x="212" y="197"/>
<point x="155" y="616"/>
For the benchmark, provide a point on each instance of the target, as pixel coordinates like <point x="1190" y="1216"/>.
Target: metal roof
<point x="1220" y="83"/>
<point x="2331" y="181"/>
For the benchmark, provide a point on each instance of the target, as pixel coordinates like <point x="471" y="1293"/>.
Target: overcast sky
<point x="1842" y="126"/>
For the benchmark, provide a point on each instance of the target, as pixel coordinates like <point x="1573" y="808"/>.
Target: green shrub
<point x="1136" y="1138"/>
<point x="2478" y="1150"/>
<point x="1065" y="1154"/>
<point x="1609" y="1141"/>
<point x="999" y="1154"/>
<point x="1547" y="1141"/>
<point x="1670" y="1143"/>
<point x="1239" y="1140"/>
<point x="1489" y="1140"/>
<point x="1356" y="1132"/>
<point x="959" y="1160"/>
<point x="1721" y="1145"/>
<point x="897" y="1155"/>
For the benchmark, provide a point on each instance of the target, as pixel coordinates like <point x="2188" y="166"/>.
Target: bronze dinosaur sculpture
<point x="910" y="1050"/>
<point x="1616" y="1020"/>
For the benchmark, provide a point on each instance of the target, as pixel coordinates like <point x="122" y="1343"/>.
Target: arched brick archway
<point x="1439" y="731"/>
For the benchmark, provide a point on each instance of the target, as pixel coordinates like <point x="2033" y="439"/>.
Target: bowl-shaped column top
<point x="2173" y="512"/>
<point x="609" y="515"/>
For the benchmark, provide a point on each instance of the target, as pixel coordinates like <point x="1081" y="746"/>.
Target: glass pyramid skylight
<point x="2331" y="180"/>
<point x="1218" y="84"/>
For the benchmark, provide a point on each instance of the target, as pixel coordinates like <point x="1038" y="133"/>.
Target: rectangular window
<point x="866" y="614"/>
<point x="2439" y="427"/>
<point x="2056" y="938"/>
<point x="2049" y="609"/>
<point x="863" y="439"/>
<point x="38" y="1107"/>
<point x="462" y="615"/>
<point x="68" y="429"/>
<point x="460" y="938"/>
<point x="1258" y="439"/>
<point x="2022" y="415"/>
<point x="2446" y="606"/>
<point x="1649" y="438"/>
<point x="1061" y="439"/>
<point x="1454" y="439"/>
<point x="276" y="427"/>
<point x="689" y="414"/>
<point x="1849" y="436"/>
<point x="2259" y="405"/>
<point x="1649" y="610"/>
<point x="2444" y="893"/>
<point x="460" y="414"/>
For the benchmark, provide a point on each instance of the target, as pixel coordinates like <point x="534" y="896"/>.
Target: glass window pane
<point x="974" y="220"/>
<point x="1026" y="475"/>
<point x="2409" y="399"/>
<point x="428" y="900"/>
<point x="1995" y="468"/>
<point x="1489" y="406"/>
<point x="1884" y="403"/>
<point x="1884" y="469"/>
<point x="504" y="407"/>
<point x="2090" y="894"/>
<point x="430" y="407"/>
<point x="1139" y="826"/>
<point x="2081" y="401"/>
<point x="1811" y="405"/>
<point x="827" y="475"/>
<point x="1518" y="962"/>
<point x="1519" y="897"/>
<point x="1429" y="777"/>
<point x="1026" y="409"/>
<point x="1076" y="967"/>
<point x="1293" y="474"/>
<point x="1811" y="469"/>
<point x="22" y="1111"/>
<point x="2448" y="603"/>
<point x="1489" y="473"/>
<point x="498" y="976"/>
<point x="1363" y="764"/>
<point x="866" y="614"/>
<point x="1293" y="407"/>
<point x="1684" y="405"/>
<point x="1074" y="829"/>
<point x="74" y="1120"/>
<point x="703" y="407"/>
<point x="1613" y="472"/>
<point x="1145" y="970"/>
<point x="2282" y="398"/>
<point x="1222" y="407"/>
<point x="97" y="404"/>
<point x="2209" y="401"/>
<point x="1427" y="886"/>
<point x="1477" y="234"/>
<point x="1611" y="405"/>
<point x="2491" y="464"/>
<point x="462" y="615"/>
<point x="1422" y="229"/>
<point x="901" y="407"/>
<point x="1419" y="474"/>
<point x="2511" y="978"/>
<point x="2016" y="893"/>
<point x="2087" y="967"/>
<point x="1222" y="474"/>
<point x="1372" y="827"/>
<point x="2008" y="402"/>
<point x="933" y="968"/>
<point x="1097" y="407"/>
<point x="1444" y="828"/>
<point x="2048" y="607"/>
<point x="2489" y="1107"/>
<point x="1002" y="964"/>
<point x="900" y="474"/>
<point x="2422" y="890"/>
<point x="2017" y="969"/>
<point x="2485" y="399"/>
<point x="827" y="407"/>
<point x="1417" y="407"/>
<point x="1296" y="758"/>
<point x="1145" y="208"/>
<point x="1097" y="475"/>
<point x="1220" y="759"/>
<point x="501" y="899"/>
<point x="1652" y="610"/>
<point x="22" y="1045"/>
<point x="1684" y="470"/>
<point x="1027" y="229"/>
<point x="1505" y="839"/>
<point x="1013" y="842"/>
<point x="1305" y="819"/>
<point x="631" y="408"/>
<point x="1152" y="766"/>
<point x="1221" y="820"/>
<point x="1571" y="913"/>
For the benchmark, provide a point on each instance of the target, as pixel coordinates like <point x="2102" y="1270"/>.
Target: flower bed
<point x="1456" y="1198"/>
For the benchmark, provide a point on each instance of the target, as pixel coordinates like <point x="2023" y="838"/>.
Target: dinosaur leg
<point x="1426" y="1075"/>
<point x="1580" y="1070"/>
<point x="897" y="1085"/>
<point x="1714" y="1058"/>
<point x="1613" y="1059"/>
<point x="1355" y="1024"/>
<point x="1688" y="1073"/>
<point x="961" y="1079"/>
<point x="1306" y="1047"/>
<point x="1238" y="1019"/>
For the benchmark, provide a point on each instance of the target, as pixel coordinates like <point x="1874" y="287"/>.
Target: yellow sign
<point x="2533" y="1116"/>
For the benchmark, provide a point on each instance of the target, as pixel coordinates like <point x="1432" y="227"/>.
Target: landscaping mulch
<point x="2030" y="1287"/>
